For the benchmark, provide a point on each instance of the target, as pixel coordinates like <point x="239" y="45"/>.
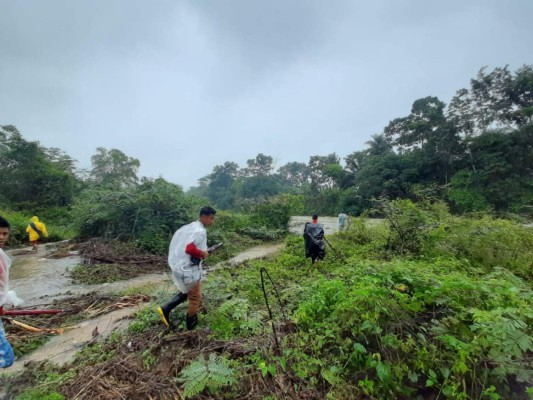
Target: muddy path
<point x="40" y="281"/>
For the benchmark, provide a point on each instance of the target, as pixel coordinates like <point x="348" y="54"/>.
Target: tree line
<point x="475" y="153"/>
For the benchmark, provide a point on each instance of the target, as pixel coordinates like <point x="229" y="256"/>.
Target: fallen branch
<point x="30" y="328"/>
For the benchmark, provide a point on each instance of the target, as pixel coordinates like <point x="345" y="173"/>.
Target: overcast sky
<point x="187" y="85"/>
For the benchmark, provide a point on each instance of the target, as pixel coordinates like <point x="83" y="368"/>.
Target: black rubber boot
<point x="164" y="311"/>
<point x="191" y="322"/>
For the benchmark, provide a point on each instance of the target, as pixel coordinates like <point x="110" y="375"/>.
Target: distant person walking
<point x="343" y="221"/>
<point x="314" y="240"/>
<point x="6" y="296"/>
<point x="36" y="230"/>
<point x="187" y="250"/>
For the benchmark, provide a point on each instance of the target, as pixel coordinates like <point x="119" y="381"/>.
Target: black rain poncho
<point x="314" y="241"/>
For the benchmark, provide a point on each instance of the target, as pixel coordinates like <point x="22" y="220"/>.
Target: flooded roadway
<point x="39" y="280"/>
<point x="35" y="277"/>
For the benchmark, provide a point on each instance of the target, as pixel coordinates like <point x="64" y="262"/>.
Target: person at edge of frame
<point x="7" y="296"/>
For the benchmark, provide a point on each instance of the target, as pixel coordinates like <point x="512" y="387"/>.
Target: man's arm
<point x="195" y="252"/>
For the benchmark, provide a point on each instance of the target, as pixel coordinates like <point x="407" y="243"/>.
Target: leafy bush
<point x="234" y="317"/>
<point x="211" y="374"/>
<point x="463" y="198"/>
<point x="149" y="213"/>
<point x="408" y="326"/>
<point x="274" y="212"/>
<point x="487" y="242"/>
<point x="406" y="222"/>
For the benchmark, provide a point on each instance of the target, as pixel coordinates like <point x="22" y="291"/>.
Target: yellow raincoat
<point x="39" y="225"/>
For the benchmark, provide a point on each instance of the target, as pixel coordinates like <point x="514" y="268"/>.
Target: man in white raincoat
<point x="6" y="296"/>
<point x="187" y="250"/>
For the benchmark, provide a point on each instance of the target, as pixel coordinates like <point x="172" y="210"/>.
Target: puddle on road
<point x="33" y="277"/>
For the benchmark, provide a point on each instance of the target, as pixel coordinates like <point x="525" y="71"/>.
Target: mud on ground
<point x="145" y="366"/>
<point x="73" y="310"/>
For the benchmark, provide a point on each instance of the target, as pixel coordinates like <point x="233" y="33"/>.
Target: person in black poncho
<point x="314" y="240"/>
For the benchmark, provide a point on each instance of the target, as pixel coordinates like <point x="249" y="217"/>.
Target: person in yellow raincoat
<point x="36" y="230"/>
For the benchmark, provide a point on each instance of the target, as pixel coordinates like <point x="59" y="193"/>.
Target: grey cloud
<point x="289" y="79"/>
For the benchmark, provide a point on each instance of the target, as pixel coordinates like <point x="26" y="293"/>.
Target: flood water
<point x="34" y="277"/>
<point x="38" y="280"/>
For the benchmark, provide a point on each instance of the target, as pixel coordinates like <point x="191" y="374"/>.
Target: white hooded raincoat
<point x="184" y="273"/>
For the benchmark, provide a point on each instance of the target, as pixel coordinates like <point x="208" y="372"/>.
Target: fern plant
<point x="201" y="373"/>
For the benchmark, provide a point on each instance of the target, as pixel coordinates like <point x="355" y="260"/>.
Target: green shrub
<point x="487" y="242"/>
<point x="274" y="212"/>
<point x="403" y="327"/>
<point x="212" y="374"/>
<point x="149" y="213"/>
<point x="234" y="317"/>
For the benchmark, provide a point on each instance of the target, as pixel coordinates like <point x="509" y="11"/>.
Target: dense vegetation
<point x="475" y="154"/>
<point x="422" y="306"/>
<point x="110" y="201"/>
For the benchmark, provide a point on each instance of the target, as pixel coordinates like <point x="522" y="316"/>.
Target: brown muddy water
<point x="35" y="277"/>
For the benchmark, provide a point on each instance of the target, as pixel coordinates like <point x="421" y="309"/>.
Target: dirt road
<point x="39" y="280"/>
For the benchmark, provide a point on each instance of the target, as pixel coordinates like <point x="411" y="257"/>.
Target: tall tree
<point x="220" y="187"/>
<point x="427" y="133"/>
<point x="113" y="168"/>
<point x="294" y="174"/>
<point x="260" y="165"/>
<point x="497" y="99"/>
<point x="33" y="176"/>
<point x="378" y="145"/>
<point x="427" y="116"/>
<point x="502" y="168"/>
<point x="323" y="172"/>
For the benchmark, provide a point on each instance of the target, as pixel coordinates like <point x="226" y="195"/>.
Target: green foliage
<point x="404" y="324"/>
<point x="211" y="374"/>
<point x="145" y="318"/>
<point x="274" y="212"/>
<point x="487" y="243"/>
<point x="36" y="394"/>
<point x="46" y="389"/>
<point x="93" y="354"/>
<point x="33" y="177"/>
<point x="406" y="222"/>
<point x="324" y="202"/>
<point x="463" y="197"/>
<point x="149" y="213"/>
<point x="114" y="169"/>
<point x="27" y="345"/>
<point x="234" y="317"/>
<point x="501" y="161"/>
